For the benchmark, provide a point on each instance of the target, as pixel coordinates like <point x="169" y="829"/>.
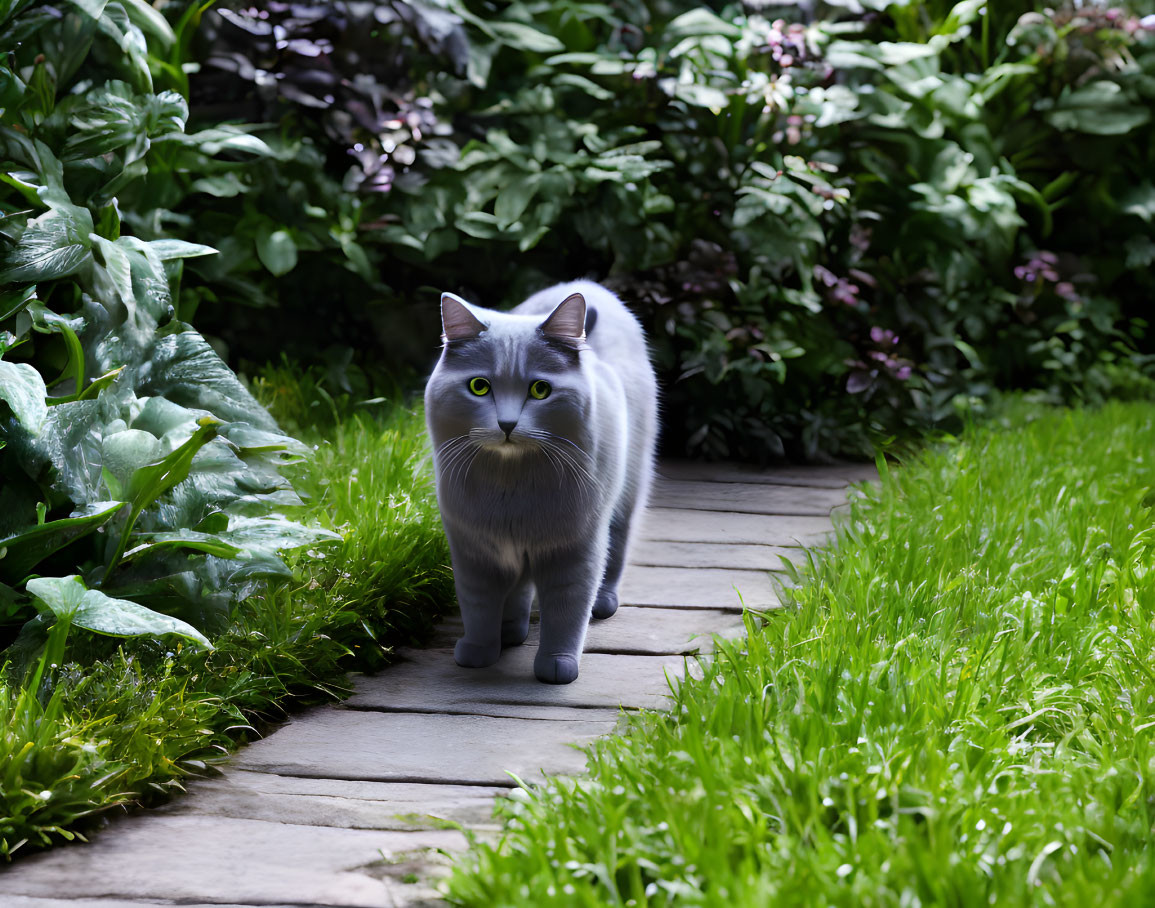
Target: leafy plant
<point x="132" y="456"/>
<point x="818" y="216"/>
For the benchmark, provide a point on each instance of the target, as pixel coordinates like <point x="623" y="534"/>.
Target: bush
<point x="135" y="469"/>
<point x="831" y="227"/>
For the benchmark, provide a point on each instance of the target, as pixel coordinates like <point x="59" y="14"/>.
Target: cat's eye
<point x="479" y="386"/>
<point x="540" y="389"/>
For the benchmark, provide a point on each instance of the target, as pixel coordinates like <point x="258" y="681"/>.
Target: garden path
<point x="355" y="805"/>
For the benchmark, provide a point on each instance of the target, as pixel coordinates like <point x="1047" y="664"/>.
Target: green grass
<point x="958" y="710"/>
<point x="120" y="723"/>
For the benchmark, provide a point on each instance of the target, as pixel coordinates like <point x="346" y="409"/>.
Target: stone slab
<point x="432" y="682"/>
<point x="648" y="553"/>
<point x="746" y="497"/>
<point x="655" y="631"/>
<point x="29" y="901"/>
<point x="711" y="588"/>
<point x="190" y="859"/>
<point x="633" y="631"/>
<point x="399" y="806"/>
<point x="686" y="525"/>
<point x="338" y="743"/>
<point x="835" y="476"/>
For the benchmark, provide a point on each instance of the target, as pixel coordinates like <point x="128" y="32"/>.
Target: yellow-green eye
<point x="539" y="390"/>
<point x="479" y="386"/>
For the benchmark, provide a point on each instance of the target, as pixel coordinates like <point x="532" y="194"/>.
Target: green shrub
<point x="131" y="458"/>
<point x="828" y="226"/>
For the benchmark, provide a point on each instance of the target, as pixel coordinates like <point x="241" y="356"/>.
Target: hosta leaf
<point x="124" y="453"/>
<point x="150" y="481"/>
<point x="23" y="550"/>
<point x="22" y="388"/>
<point x="68" y="598"/>
<point x="53" y="245"/>
<point x="183" y="368"/>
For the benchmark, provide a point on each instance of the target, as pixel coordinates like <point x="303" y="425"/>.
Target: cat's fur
<point x="538" y="496"/>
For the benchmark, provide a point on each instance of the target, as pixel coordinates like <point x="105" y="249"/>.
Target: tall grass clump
<point x="957" y="708"/>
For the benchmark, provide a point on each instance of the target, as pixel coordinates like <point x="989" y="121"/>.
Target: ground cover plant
<point x="956" y="708"/>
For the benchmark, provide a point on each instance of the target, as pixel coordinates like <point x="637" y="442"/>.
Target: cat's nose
<point x="506" y="425"/>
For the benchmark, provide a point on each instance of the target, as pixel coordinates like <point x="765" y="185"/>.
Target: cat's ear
<point x="457" y="322"/>
<point x="567" y="322"/>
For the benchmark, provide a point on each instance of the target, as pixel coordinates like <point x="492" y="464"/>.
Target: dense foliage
<point x="143" y="489"/>
<point x="113" y="725"/>
<point x="132" y="459"/>
<point x="832" y="222"/>
<point x="956" y="710"/>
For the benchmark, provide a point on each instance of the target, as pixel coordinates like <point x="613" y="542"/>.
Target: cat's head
<point x="510" y="384"/>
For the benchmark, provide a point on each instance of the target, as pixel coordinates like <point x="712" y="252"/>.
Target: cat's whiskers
<point x="456" y="452"/>
<point x="568" y="461"/>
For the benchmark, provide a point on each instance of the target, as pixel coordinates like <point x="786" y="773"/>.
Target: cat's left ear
<point x="567" y="323"/>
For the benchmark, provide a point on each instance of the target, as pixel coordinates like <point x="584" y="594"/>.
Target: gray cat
<point x="543" y="422"/>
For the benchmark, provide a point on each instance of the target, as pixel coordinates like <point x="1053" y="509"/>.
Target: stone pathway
<point x="354" y="804"/>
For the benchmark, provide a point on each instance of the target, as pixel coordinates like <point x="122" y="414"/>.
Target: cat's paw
<point x="606" y="604"/>
<point x="559" y="668"/>
<point x="514" y="631"/>
<point x="474" y="655"/>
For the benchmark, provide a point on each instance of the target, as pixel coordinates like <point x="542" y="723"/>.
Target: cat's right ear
<point x="457" y="322"/>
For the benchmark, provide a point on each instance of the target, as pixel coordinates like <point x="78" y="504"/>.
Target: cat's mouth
<point x="499" y="443"/>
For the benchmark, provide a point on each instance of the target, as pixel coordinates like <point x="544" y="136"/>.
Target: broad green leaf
<point x="150" y="21"/>
<point x="480" y="224"/>
<point x="210" y="544"/>
<point x="11" y="89"/>
<point x="588" y="86"/>
<point x="963" y="13"/>
<point x="56" y="244"/>
<point x="167" y="250"/>
<point x="22" y="388"/>
<point x="1099" y="108"/>
<point x="23" y="550"/>
<point x="696" y="94"/>
<point x="513" y="199"/>
<point x="124" y="453"/>
<point x="524" y="37"/>
<point x="118" y="26"/>
<point x="701" y="21"/>
<point x="276" y="250"/>
<point x="216" y="139"/>
<point x="184" y="369"/>
<point x="92" y="610"/>
<point x="149" y="482"/>
<point x="94" y="8"/>
<point x="13" y="301"/>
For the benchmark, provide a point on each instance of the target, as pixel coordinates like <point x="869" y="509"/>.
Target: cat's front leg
<point x="483" y="585"/>
<point x="565" y="594"/>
